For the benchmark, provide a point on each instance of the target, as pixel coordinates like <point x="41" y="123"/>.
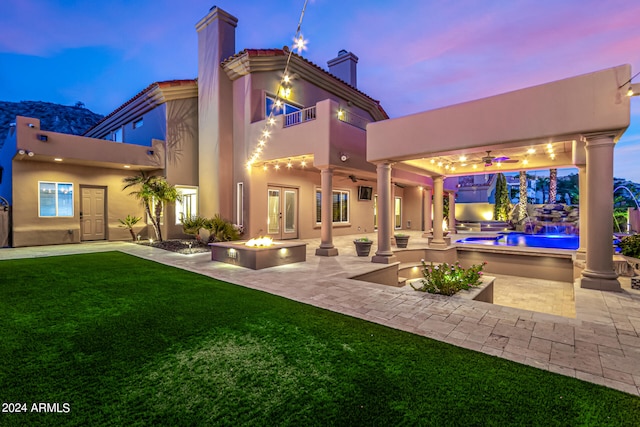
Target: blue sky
<point x="414" y="56"/>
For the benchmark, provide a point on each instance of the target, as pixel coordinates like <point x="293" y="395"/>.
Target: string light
<point x="283" y="91"/>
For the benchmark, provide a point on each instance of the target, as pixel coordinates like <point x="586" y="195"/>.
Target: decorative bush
<point x="193" y="225"/>
<point x="128" y="223"/>
<point x="221" y="230"/>
<point x="447" y="279"/>
<point x="630" y="246"/>
<point x="362" y="239"/>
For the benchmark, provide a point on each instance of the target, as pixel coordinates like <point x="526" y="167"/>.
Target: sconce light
<point x="31" y="125"/>
<point x="43" y="138"/>
<point x="30" y="153"/>
<point x="344" y="157"/>
<point x="22" y="152"/>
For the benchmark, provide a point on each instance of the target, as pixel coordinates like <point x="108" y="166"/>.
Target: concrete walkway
<point x="601" y="344"/>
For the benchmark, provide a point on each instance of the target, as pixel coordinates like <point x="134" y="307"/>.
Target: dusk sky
<point x="414" y="55"/>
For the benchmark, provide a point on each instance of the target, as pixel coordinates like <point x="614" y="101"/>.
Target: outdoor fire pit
<point x="259" y="253"/>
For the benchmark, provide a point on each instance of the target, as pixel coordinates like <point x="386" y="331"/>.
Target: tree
<point x="128" y="223"/>
<point x="154" y="192"/>
<point x="503" y="204"/>
<point x="553" y="185"/>
<point x="522" y="203"/>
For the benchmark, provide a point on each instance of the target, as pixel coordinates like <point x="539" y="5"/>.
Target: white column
<point x="326" y="215"/>
<point x="581" y="253"/>
<point x="438" y="236"/>
<point x="428" y="223"/>
<point x="452" y="212"/>
<point x="384" y="255"/>
<point x="599" y="272"/>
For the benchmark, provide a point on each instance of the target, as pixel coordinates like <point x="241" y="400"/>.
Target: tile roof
<point x="285" y="52"/>
<point x="161" y="85"/>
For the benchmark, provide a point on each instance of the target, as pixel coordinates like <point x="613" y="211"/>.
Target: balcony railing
<point x="301" y="116"/>
<point x="353" y="119"/>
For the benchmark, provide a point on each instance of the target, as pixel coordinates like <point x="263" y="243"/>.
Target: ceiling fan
<point x="489" y="159"/>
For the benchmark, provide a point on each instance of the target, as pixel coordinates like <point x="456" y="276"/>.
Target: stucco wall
<point x="360" y="215"/>
<point x="31" y="230"/>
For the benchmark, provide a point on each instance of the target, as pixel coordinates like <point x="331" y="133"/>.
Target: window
<point x="397" y="209"/>
<point x="138" y="123"/>
<point x="117" y="135"/>
<point x="285" y="107"/>
<point x="240" y="204"/>
<point x="340" y="206"/>
<point x="188" y="207"/>
<point x="55" y="199"/>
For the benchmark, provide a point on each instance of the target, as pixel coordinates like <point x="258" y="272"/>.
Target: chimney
<point x="216" y="42"/>
<point x="344" y="67"/>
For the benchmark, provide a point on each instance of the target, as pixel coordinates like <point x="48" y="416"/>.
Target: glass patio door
<point x="282" y="219"/>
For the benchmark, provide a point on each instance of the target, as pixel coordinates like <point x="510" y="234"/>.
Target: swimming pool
<point x="553" y="241"/>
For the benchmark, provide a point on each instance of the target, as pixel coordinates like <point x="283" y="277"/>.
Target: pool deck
<point x="601" y="344"/>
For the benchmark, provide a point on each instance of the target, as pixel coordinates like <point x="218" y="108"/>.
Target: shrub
<point x="193" y="225"/>
<point x="630" y="246"/>
<point x="447" y="279"/>
<point x="128" y="223"/>
<point x="362" y="239"/>
<point x="221" y="230"/>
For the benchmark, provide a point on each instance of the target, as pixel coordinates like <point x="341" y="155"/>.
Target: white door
<point x="282" y="222"/>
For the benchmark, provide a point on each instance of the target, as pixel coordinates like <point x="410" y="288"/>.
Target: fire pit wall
<point x="256" y="258"/>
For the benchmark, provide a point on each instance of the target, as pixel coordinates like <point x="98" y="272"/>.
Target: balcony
<point x="322" y="131"/>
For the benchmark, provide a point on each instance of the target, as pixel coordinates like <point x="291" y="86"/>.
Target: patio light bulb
<point x="553" y="156"/>
<point x="300" y="44"/>
<point x="289" y="165"/>
<point x="525" y="162"/>
<point x="432" y="161"/>
<point x="463" y="158"/>
<point x="440" y="164"/>
<point x="264" y="168"/>
<point x="531" y="151"/>
<point x="303" y="163"/>
<point x="272" y="121"/>
<point x="266" y="133"/>
<point x="286" y="79"/>
<point x="277" y="166"/>
<point x="475" y="166"/>
<point x="630" y="91"/>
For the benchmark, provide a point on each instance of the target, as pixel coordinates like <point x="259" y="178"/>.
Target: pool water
<point x="553" y="241"/>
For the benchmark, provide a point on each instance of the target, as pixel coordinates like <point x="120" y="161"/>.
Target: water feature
<point x="551" y="241"/>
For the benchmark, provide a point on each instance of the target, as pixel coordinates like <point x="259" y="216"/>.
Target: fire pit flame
<point x="260" y="242"/>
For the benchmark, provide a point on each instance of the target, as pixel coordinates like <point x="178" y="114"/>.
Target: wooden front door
<point x="92" y="213"/>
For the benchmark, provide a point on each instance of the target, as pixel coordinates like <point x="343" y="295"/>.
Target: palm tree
<point x="522" y="203"/>
<point x="553" y="185"/>
<point x="153" y="192"/>
<point x="128" y="223"/>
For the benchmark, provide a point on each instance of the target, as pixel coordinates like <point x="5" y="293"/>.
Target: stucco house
<point x="200" y="134"/>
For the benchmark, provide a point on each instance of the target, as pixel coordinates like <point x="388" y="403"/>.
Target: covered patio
<point x="574" y="122"/>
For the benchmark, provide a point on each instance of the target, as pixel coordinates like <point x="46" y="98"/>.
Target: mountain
<point x="74" y="120"/>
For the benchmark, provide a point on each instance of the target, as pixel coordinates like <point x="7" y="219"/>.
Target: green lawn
<point x="126" y="341"/>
